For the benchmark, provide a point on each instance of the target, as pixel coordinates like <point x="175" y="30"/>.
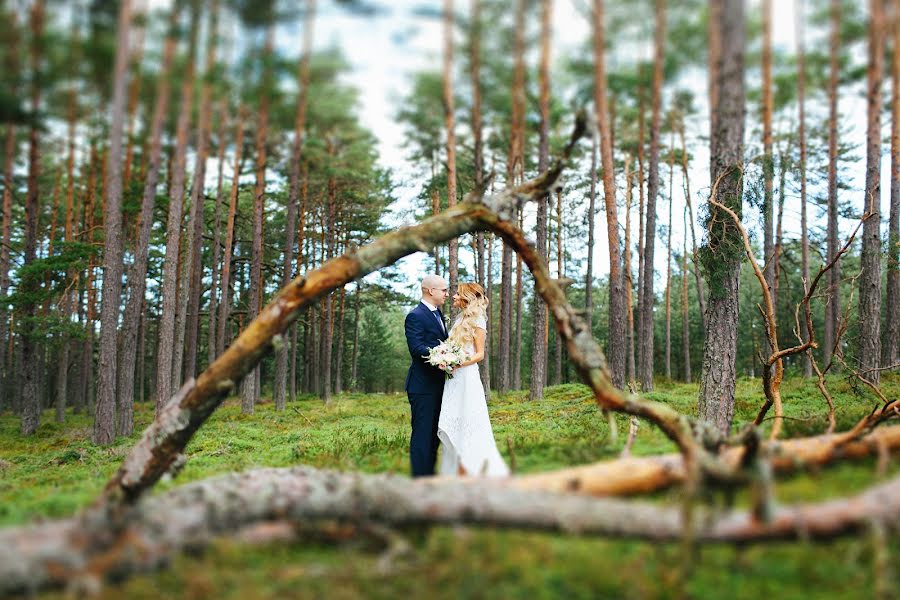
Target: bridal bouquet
<point x="446" y="356"/>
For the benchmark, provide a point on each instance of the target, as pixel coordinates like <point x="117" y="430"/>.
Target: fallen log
<point x="58" y="553"/>
<point x="644" y="474"/>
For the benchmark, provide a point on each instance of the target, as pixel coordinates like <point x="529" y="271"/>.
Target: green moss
<point x="58" y="470"/>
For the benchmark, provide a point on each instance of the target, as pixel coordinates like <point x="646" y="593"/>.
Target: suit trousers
<point x="423" y="444"/>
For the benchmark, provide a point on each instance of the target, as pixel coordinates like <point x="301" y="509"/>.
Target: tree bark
<point x="538" y="308"/>
<point x="137" y="274"/>
<point x="717" y="381"/>
<point x="628" y="274"/>
<point x="560" y="274"/>
<point x="617" y="316"/>
<point x="31" y="402"/>
<point x="212" y="329"/>
<point x="869" y="317"/>
<point x="768" y="158"/>
<point x="833" y="305"/>
<point x="251" y="391"/>
<point x="196" y="223"/>
<point x="104" y="418"/>
<point x="449" y="125"/>
<point x="52" y="554"/>
<point x="484" y="367"/>
<point x="166" y="371"/>
<point x="225" y="297"/>
<point x="801" y="133"/>
<point x="280" y="385"/>
<point x="669" y="259"/>
<point x="891" y="345"/>
<point x="685" y="313"/>
<point x="695" y="257"/>
<point x="646" y="362"/>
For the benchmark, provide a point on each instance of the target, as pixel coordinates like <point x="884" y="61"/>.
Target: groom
<point x="425" y="329"/>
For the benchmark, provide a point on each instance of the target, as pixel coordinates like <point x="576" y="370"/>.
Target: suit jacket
<point x="423" y="332"/>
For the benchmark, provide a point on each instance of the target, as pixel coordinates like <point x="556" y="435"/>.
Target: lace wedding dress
<point x="464" y="427"/>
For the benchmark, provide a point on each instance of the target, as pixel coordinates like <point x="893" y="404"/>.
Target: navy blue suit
<point x="424" y="387"/>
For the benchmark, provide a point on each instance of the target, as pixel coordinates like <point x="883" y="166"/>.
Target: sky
<point x="385" y="51"/>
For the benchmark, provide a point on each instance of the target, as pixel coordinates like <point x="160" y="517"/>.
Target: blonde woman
<point x="464" y="428"/>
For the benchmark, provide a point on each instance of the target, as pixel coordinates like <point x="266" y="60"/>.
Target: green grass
<point x="58" y="470"/>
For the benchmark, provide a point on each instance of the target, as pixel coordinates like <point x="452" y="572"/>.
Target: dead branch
<point x="773" y="366"/>
<point x="645" y="474"/>
<point x="170" y="432"/>
<point x="54" y="554"/>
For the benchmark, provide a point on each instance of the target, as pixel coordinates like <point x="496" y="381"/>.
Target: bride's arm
<point x="479" y="348"/>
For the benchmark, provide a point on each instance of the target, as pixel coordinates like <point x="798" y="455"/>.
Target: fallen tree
<point x="190" y="517"/>
<point x="124" y="532"/>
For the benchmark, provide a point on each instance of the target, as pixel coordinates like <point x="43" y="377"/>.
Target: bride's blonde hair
<point x="475" y="303"/>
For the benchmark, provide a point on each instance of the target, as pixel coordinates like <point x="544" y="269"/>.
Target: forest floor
<point x="59" y="470"/>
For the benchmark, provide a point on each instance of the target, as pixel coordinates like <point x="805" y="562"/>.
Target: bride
<point x="464" y="427"/>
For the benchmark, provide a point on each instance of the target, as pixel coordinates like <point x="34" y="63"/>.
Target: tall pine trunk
<point x="280" y="385"/>
<point x="31" y="401"/>
<point x="628" y="274"/>
<point x="768" y="158"/>
<point x="669" y="260"/>
<point x="616" y="336"/>
<point x="104" y="418"/>
<point x="801" y="133"/>
<point x="251" y="391"/>
<point x="227" y="251"/>
<point x="165" y="367"/>
<point x="891" y="346"/>
<point x="137" y="274"/>
<point x="685" y="313"/>
<point x="833" y="306"/>
<point x="449" y="21"/>
<point x="197" y="222"/>
<point x="724" y="247"/>
<point x="215" y="267"/>
<point x="646" y="362"/>
<point x="870" y="260"/>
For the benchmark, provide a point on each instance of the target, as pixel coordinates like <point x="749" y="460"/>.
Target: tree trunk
<point x="251" y="391"/>
<point x="801" y="133"/>
<point x="724" y="245"/>
<point x="891" y="346"/>
<point x="560" y="274"/>
<point x="478" y="157"/>
<point x="196" y="223"/>
<point x="31" y="402"/>
<point x="517" y="348"/>
<point x="280" y="385"/>
<point x="669" y="259"/>
<point x="339" y="346"/>
<point x="616" y="336"/>
<point x="5" y="238"/>
<point x="685" y="313"/>
<point x="646" y="362"/>
<point x="639" y="337"/>
<point x="104" y="418"/>
<point x="768" y="158"/>
<point x="354" y="358"/>
<point x="870" y="259"/>
<point x="212" y="329"/>
<point x="137" y="274"/>
<point x="225" y="297"/>
<point x="165" y="370"/>
<point x="695" y="258"/>
<point x="628" y="275"/>
<point x="449" y="22"/>
<point x="833" y="305"/>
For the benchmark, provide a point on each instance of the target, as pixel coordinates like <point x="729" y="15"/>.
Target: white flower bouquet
<point x="446" y="356"/>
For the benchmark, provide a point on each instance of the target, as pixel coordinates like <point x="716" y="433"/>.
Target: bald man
<point x="425" y="329"/>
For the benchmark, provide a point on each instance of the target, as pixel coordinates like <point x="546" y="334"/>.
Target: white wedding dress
<point x="464" y="427"/>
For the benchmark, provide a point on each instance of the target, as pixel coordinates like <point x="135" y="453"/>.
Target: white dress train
<point x="464" y="427"/>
